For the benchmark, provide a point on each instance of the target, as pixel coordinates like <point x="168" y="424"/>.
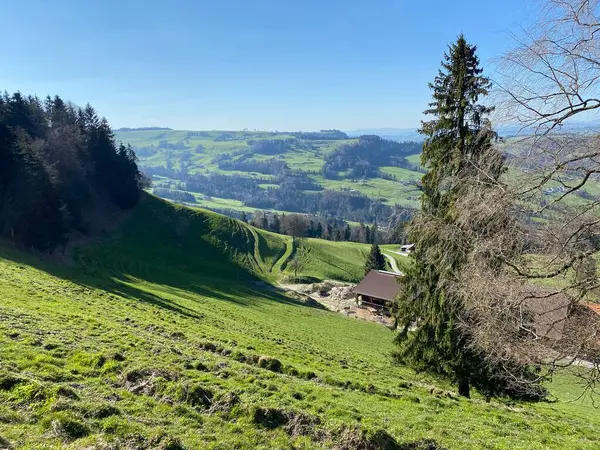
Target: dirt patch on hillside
<point x="338" y="297"/>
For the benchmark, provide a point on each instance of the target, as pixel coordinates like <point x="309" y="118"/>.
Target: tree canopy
<point x="433" y="318"/>
<point x="57" y="163"/>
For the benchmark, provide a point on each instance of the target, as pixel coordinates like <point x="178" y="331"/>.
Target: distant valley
<point x="327" y="173"/>
<point x="337" y="176"/>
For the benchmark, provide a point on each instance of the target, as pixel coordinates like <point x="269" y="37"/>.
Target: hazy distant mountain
<point x="572" y="127"/>
<point x="394" y="134"/>
<point x="411" y="134"/>
<point x="144" y="129"/>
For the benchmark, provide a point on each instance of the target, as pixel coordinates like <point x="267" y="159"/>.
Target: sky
<point x="259" y="64"/>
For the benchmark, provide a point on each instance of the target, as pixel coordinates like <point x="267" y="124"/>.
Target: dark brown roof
<point x="379" y="284"/>
<point x="550" y="313"/>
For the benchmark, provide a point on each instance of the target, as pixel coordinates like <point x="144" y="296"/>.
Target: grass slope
<point x="402" y="192"/>
<point x="342" y="261"/>
<point x="159" y="338"/>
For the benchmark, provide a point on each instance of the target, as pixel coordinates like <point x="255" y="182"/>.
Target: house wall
<point x="377" y="301"/>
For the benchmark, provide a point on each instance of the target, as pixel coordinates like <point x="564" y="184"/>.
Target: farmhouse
<point x="378" y="289"/>
<point x="408" y="248"/>
<point x="554" y="316"/>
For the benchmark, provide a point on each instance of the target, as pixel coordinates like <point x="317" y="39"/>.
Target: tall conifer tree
<point x="457" y="135"/>
<point x="375" y="259"/>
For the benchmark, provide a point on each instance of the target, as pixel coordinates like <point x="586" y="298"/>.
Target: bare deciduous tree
<point x="553" y="73"/>
<point x="530" y="285"/>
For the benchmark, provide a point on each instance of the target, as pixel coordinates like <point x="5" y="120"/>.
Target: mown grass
<point x="161" y="338"/>
<point x="333" y="260"/>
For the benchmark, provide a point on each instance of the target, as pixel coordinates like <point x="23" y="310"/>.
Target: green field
<point x="165" y="336"/>
<point x="401" y="192"/>
<point x="414" y="159"/>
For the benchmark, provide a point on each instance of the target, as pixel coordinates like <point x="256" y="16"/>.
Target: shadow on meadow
<point x="139" y="278"/>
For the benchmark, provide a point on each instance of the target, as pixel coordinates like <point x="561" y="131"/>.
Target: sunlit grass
<point x="176" y="297"/>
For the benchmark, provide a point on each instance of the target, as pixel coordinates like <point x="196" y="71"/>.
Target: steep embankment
<point x="160" y="339"/>
<point x="178" y="240"/>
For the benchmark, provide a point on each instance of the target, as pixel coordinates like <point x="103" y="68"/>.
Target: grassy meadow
<point x="166" y="335"/>
<point x="203" y="146"/>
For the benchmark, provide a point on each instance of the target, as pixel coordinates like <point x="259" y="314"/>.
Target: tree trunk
<point x="464" y="388"/>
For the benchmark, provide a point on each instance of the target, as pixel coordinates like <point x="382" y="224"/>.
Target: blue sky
<point x="260" y="64"/>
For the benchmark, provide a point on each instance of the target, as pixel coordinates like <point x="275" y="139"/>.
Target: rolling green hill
<point x="195" y="152"/>
<point x="172" y="155"/>
<point x="160" y="337"/>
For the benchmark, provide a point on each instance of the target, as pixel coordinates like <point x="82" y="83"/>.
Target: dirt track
<point x="393" y="263"/>
<point x="338" y="297"/>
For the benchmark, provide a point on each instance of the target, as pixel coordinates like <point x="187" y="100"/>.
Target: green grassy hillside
<point x="214" y="246"/>
<point x="196" y="151"/>
<point x="342" y="261"/>
<point x="160" y="338"/>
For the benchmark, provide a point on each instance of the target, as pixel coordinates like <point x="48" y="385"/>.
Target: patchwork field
<point x="196" y="152"/>
<point x="166" y="335"/>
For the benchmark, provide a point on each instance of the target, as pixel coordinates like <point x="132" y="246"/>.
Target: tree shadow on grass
<point x="243" y="288"/>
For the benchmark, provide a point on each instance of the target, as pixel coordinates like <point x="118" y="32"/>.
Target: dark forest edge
<point x="60" y="167"/>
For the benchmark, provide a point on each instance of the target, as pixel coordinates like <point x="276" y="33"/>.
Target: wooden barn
<point x="378" y="289"/>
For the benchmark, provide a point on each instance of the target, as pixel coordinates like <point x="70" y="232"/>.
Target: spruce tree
<point x="328" y="232"/>
<point x="375" y="259"/>
<point x="338" y="234"/>
<point x="319" y="230"/>
<point x="347" y="233"/>
<point x="53" y="156"/>
<point x="374" y="231"/>
<point x="276" y="224"/>
<point x="456" y="136"/>
<point x="264" y="222"/>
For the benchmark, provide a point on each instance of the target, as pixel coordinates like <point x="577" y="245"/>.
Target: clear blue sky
<point x="265" y="64"/>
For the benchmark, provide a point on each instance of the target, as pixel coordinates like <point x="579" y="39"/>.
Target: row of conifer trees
<point x="58" y="163"/>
